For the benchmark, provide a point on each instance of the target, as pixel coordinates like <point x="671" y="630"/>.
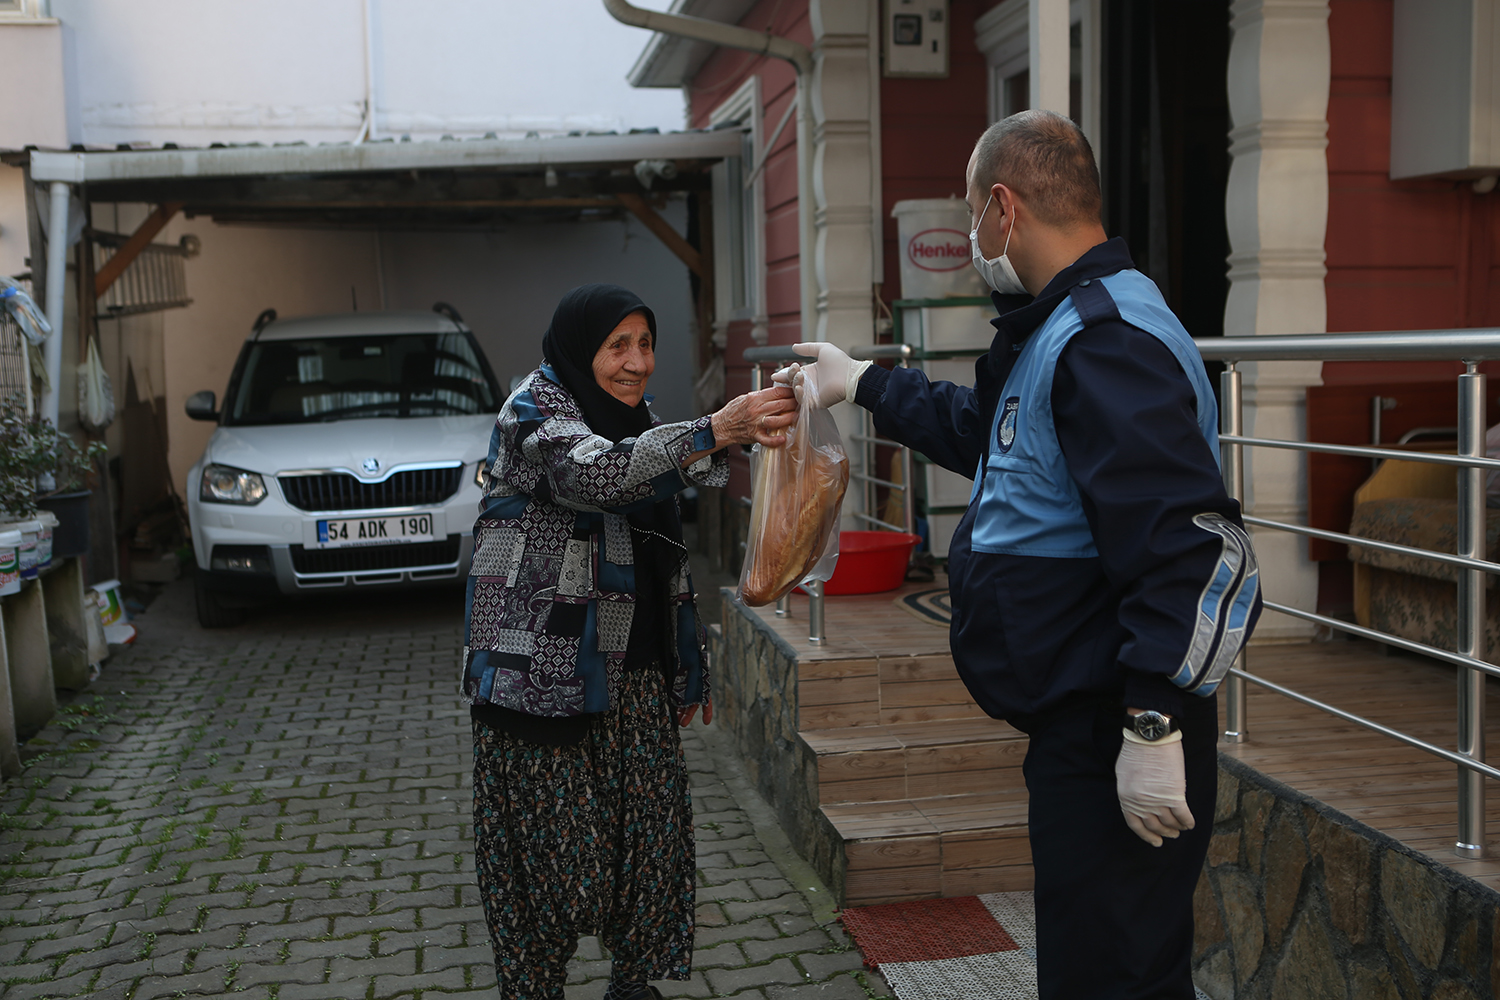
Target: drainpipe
<point x="734" y="37"/>
<point x="57" y="279"/>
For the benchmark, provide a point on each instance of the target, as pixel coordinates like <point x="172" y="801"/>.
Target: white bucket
<point x="29" y="531"/>
<point x="10" y="561"/>
<point x="47" y="522"/>
<point x="933" y="234"/>
<point x="111" y="608"/>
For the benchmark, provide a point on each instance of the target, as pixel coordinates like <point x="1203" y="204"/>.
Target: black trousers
<point x="1114" y="915"/>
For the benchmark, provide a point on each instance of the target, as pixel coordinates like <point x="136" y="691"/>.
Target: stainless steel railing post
<point x="815" y="630"/>
<point x="1232" y="459"/>
<point x="1471" y="610"/>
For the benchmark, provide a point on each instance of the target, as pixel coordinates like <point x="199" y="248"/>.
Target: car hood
<point x="346" y="444"/>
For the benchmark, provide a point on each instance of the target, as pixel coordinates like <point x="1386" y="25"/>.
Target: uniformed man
<point x="1101" y="578"/>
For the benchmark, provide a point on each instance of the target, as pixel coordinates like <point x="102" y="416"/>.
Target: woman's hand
<point x="757" y="418"/>
<point x="685" y="715"/>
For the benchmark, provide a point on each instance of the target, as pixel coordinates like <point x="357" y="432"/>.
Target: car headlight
<point x="222" y="484"/>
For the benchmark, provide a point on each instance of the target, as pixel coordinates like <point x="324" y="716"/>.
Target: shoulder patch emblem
<point x="1007" y="433"/>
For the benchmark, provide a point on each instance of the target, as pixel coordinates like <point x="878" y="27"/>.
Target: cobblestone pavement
<point x="282" y="810"/>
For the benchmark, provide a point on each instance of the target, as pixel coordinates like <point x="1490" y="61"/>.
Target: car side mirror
<point x="200" y="406"/>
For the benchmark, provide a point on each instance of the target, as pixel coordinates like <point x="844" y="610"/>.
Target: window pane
<point x="338" y="378"/>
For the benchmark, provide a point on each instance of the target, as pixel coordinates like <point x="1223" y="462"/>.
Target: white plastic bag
<point x="96" y="397"/>
<point x="798" y="490"/>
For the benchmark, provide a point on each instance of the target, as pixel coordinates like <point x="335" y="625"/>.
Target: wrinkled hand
<point x="757" y="418"/>
<point x="685" y="715"/>
<point x="1152" y="788"/>
<point x="834" y="374"/>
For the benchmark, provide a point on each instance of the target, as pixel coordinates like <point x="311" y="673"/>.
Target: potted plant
<point x="31" y="449"/>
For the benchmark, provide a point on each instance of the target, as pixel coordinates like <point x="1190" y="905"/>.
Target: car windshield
<point x="344" y="378"/>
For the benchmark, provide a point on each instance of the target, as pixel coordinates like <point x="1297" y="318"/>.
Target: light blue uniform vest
<point x="1028" y="502"/>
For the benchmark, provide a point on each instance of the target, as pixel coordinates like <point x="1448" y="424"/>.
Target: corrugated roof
<point x="137" y="164"/>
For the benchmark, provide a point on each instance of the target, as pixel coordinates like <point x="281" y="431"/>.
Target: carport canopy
<point x="456" y="183"/>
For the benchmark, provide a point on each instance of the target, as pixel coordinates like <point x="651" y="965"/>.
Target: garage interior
<point x="180" y="250"/>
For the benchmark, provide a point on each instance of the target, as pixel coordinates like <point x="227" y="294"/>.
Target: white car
<point x="347" y="455"/>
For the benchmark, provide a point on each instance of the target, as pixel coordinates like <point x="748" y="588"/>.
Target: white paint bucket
<point x="111" y="608"/>
<point x="47" y="523"/>
<point x="29" y="531"/>
<point x="10" y="561"/>
<point x="933" y="236"/>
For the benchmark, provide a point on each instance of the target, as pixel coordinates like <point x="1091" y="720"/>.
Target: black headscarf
<point x="583" y="319"/>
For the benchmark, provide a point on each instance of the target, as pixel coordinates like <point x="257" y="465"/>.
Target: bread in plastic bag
<point x="797" y="491"/>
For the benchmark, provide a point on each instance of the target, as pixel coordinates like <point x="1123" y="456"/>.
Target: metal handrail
<point x="1398" y="345"/>
<point x="1371" y="543"/>
<point x="1360" y="451"/>
<point x="1470" y="464"/>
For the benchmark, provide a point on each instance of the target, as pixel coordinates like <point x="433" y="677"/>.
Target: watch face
<point x="1152" y="725"/>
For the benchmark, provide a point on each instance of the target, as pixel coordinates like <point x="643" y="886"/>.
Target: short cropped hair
<point x="1047" y="160"/>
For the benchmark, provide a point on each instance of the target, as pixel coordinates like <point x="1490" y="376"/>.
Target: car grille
<point x="341" y="491"/>
<point x="367" y="558"/>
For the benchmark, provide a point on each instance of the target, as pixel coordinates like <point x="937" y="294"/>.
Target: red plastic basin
<point x="871" y="562"/>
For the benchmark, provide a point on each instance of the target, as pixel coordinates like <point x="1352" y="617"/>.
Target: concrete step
<point x="881" y="691"/>
<point x="921" y="848"/>
<point x="910" y="760"/>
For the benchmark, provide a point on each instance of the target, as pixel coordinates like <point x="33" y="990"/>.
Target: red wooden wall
<point x="720" y="77"/>
<point x="928" y="129"/>
<point x="1402" y="255"/>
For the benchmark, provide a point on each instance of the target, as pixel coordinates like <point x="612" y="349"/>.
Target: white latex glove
<point x="1152" y="788"/>
<point x="835" y="374"/>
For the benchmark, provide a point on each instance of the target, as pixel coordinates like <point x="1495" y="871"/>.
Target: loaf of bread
<point x="794" y="508"/>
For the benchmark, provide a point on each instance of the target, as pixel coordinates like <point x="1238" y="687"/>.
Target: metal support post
<point x="56" y="295"/>
<point x="1232" y="459"/>
<point x="1471" y="537"/>
<point x="815" y="632"/>
<point x="783" y="605"/>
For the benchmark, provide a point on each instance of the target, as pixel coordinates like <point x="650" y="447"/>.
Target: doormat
<point x="966" y="948"/>
<point x="935" y="607"/>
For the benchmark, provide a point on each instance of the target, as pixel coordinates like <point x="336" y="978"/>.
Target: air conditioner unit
<point x="1445" y="89"/>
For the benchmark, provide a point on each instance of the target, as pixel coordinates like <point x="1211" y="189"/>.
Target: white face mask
<point x="997" y="272"/>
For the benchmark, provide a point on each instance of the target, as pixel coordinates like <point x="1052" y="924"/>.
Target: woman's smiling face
<point x="626" y="360"/>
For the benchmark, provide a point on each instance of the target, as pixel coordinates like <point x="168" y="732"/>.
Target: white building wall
<point x="290" y="70"/>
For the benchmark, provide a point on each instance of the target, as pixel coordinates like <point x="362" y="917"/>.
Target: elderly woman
<point x="583" y="653"/>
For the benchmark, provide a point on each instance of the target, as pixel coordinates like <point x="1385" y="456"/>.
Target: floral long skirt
<point x="595" y="838"/>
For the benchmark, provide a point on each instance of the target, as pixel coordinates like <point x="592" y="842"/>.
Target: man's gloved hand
<point x="1152" y="788"/>
<point x="834" y="374"/>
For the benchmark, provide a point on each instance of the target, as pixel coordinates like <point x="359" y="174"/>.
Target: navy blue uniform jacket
<point x="1031" y="634"/>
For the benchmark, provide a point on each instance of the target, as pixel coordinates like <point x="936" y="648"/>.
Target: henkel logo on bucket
<point x="939" y="250"/>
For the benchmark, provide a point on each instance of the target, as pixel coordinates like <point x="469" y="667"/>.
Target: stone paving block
<point x="808" y="941"/>
<point x="741" y="931"/>
<point x="74" y="985"/>
<point x="839" y="988"/>
<point x="824" y="964"/>
<point x="739" y="910"/>
<point x="443" y="979"/>
<point x="376" y="922"/>
<point x="779" y="972"/>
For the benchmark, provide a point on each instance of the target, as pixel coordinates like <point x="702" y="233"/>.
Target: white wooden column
<point x="1276" y="207"/>
<point x="1048" y="32"/>
<point x="845" y="101"/>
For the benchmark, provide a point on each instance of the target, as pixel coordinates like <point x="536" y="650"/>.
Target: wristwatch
<point x="1151" y="726"/>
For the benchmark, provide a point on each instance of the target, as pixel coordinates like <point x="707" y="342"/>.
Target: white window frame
<point x="12" y="11"/>
<point x="1002" y="34"/>
<point x="744" y="105"/>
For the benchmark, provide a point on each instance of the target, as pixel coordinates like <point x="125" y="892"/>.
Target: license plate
<point x="374" y="531"/>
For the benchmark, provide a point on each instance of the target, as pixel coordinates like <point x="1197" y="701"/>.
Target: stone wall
<point x="1298" y="900"/>
<point x="755" y="677"/>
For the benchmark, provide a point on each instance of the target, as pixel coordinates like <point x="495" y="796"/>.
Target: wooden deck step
<point x="884" y="763"/>
<point x="920" y="848"/>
